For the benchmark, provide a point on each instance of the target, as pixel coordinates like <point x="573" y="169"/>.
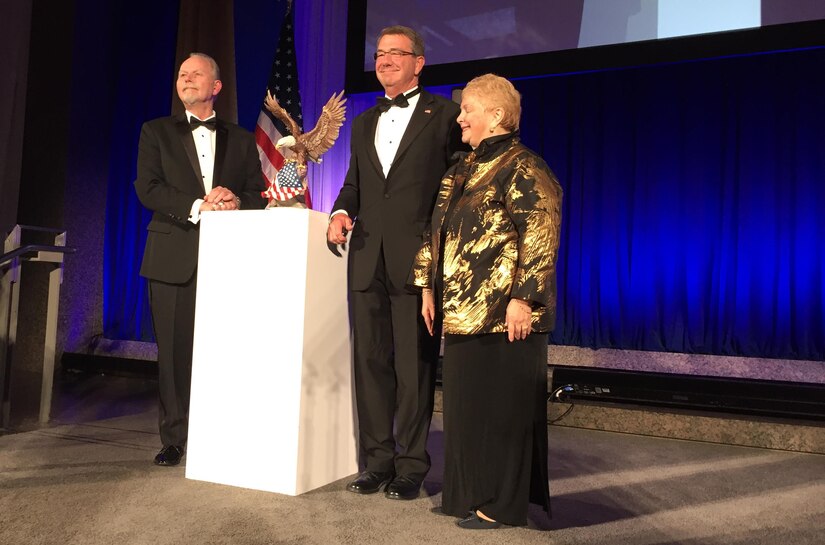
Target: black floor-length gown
<point x="495" y="426"/>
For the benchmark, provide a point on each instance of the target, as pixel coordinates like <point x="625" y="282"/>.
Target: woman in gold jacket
<point x="490" y="260"/>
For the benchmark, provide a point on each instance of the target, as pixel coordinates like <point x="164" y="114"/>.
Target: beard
<point x="189" y="97"/>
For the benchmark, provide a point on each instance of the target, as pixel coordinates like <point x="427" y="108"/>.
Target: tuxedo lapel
<point x="370" y="126"/>
<point x="185" y="134"/>
<point x="425" y="111"/>
<point x="221" y="144"/>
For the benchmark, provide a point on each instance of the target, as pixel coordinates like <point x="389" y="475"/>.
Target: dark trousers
<point x="173" y="317"/>
<point x="395" y="361"/>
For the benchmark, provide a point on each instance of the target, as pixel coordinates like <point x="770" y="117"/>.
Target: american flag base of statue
<point x="288" y="189"/>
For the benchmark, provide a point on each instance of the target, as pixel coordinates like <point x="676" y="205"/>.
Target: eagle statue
<point x="299" y="147"/>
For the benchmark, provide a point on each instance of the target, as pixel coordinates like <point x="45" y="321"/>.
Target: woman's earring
<point x="492" y="129"/>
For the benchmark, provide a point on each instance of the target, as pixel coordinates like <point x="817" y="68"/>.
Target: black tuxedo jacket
<point x="169" y="180"/>
<point x="394" y="212"/>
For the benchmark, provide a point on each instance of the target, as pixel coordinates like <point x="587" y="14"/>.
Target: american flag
<point x="283" y="84"/>
<point x="288" y="175"/>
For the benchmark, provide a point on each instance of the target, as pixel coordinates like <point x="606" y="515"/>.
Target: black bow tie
<point x="401" y="100"/>
<point x="194" y="123"/>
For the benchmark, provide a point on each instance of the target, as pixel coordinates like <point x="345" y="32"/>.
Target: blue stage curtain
<point x="694" y="198"/>
<point x="139" y="46"/>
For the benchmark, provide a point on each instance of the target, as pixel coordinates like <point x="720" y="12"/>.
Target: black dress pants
<point x="173" y="317"/>
<point x="395" y="360"/>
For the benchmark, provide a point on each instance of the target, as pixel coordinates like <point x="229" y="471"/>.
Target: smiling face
<point x="476" y="121"/>
<point x="397" y="73"/>
<point x="196" y="84"/>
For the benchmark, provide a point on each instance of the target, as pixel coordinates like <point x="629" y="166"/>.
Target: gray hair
<point x="215" y="69"/>
<point x="415" y="37"/>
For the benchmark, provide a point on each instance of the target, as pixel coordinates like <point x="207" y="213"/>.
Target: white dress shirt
<point x="390" y="130"/>
<point x="205" y="147"/>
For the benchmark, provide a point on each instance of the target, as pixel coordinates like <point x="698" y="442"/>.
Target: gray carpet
<point x="93" y="483"/>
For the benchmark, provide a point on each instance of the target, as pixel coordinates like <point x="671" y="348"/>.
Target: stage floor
<point x="88" y="479"/>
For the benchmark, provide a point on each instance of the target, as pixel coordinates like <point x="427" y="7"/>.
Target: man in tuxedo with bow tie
<point x="400" y="149"/>
<point x="187" y="165"/>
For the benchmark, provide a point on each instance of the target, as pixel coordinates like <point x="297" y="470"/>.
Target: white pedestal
<point x="272" y="405"/>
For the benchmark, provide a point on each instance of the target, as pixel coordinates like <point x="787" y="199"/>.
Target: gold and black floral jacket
<point x="495" y="228"/>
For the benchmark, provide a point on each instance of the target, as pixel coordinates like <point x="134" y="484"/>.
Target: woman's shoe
<point x="474" y="522"/>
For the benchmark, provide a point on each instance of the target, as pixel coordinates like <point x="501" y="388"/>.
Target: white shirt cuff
<point x="195" y="211"/>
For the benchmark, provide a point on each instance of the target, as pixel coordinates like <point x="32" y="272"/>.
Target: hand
<point x="339" y="226"/>
<point x="428" y="309"/>
<point x="221" y="198"/>
<point x="519" y="319"/>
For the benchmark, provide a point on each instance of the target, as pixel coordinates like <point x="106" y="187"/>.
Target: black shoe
<point x="474" y="522"/>
<point x="370" y="482"/>
<point x="169" y="456"/>
<point x="403" y="488"/>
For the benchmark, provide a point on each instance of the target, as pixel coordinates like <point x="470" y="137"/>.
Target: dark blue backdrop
<point x="693" y="199"/>
<point x="130" y="53"/>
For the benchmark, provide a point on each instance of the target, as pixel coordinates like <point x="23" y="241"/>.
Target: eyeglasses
<point x="394" y="53"/>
